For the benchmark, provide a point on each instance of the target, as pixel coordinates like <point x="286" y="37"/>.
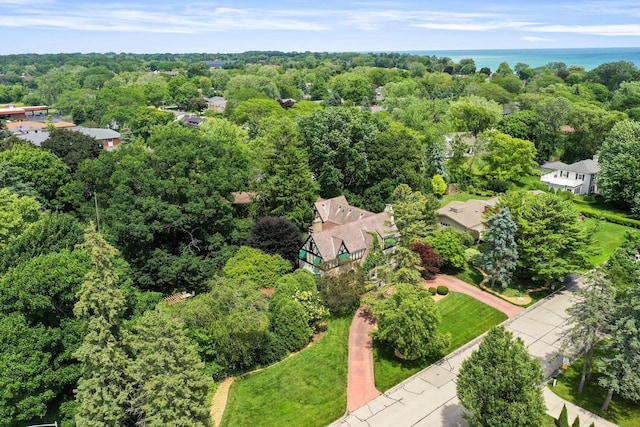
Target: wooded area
<point x="92" y="240"/>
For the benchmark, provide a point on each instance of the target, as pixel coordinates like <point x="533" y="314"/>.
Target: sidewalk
<point x="554" y="406"/>
<point x="361" y="382"/>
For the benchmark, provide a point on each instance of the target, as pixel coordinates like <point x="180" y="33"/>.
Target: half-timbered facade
<point x="342" y="234"/>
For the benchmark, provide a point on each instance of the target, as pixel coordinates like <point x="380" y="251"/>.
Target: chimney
<point x="316" y="227"/>
<point x="388" y="208"/>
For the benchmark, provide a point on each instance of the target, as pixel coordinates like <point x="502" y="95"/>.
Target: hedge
<point x="432" y="290"/>
<point x="607" y="216"/>
<point x="442" y="290"/>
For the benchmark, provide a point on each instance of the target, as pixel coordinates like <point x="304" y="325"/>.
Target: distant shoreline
<point x="589" y="58"/>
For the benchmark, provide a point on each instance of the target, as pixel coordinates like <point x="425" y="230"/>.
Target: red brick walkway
<point x="360" y="383"/>
<point x="457" y="285"/>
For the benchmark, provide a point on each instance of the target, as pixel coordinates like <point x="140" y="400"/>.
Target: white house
<point x="579" y="178"/>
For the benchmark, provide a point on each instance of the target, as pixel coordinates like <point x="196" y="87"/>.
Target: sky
<point x="228" y="26"/>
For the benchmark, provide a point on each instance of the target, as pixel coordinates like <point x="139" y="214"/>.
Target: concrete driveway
<point x="429" y="397"/>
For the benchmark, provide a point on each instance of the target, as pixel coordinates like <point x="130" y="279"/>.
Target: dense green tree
<point x="591" y="316"/>
<point x="591" y="126"/>
<point x="475" y="114"/>
<point x="17" y="214"/>
<point x="451" y="244"/>
<point x="500" y="384"/>
<point x="499" y="260"/>
<point x="290" y="324"/>
<point x="285" y="187"/>
<point x="619" y="368"/>
<point x="622" y="267"/>
<point x="231" y="326"/>
<point x="277" y="236"/>
<point x="25" y="370"/>
<point x="341" y="293"/>
<point x="612" y="74"/>
<point x="551" y="238"/>
<point x="72" y="147"/>
<point x="352" y="87"/>
<point x="104" y="386"/>
<point x="414" y="213"/>
<point x="438" y="185"/>
<point x="251" y="112"/>
<point x="46" y="172"/>
<point x="337" y="140"/>
<point x="255" y="266"/>
<point x="508" y="158"/>
<point x="408" y="322"/>
<point x="171" y="386"/>
<point x="395" y="157"/>
<point x="619" y="162"/>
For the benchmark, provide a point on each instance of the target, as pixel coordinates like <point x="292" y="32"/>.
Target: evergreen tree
<point x="563" y="419"/>
<point x="414" y="213"/>
<point x="591" y="316"/>
<point x="103" y="388"/>
<point x="621" y="364"/>
<point x="500" y="384"/>
<point x="286" y="187"/>
<point x="436" y="160"/>
<point x="499" y="261"/>
<point x="576" y="422"/>
<point x="170" y="384"/>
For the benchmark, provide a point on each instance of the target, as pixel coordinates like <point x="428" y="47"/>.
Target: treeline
<point x="165" y="199"/>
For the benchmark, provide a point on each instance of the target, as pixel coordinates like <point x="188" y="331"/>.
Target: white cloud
<point x="599" y="30"/>
<point x="475" y="26"/>
<point x="535" y="39"/>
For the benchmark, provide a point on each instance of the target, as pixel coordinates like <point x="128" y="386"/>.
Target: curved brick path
<point x="457" y="285"/>
<point x="360" y="382"/>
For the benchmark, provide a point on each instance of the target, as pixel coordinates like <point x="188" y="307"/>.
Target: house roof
<point x="98" y="133"/>
<point x="338" y="211"/>
<point x="36" y="138"/>
<point x="586" y="167"/>
<point x="348" y="225"/>
<point x="355" y="235"/>
<point x="469" y="214"/>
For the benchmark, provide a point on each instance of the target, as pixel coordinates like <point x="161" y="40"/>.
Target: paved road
<point x="361" y="383"/>
<point x="429" y="397"/>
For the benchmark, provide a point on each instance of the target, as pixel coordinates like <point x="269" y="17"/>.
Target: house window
<point x="110" y="142"/>
<point x="579" y="176"/>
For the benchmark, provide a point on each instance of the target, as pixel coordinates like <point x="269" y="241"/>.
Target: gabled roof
<point x="338" y="211"/>
<point x="586" y="167"/>
<point x="354" y="235"/>
<point x="36" y="138"/>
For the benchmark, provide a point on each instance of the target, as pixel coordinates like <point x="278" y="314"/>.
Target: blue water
<point x="589" y="58"/>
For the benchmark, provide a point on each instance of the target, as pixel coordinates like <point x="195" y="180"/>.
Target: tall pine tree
<point x="499" y="261"/>
<point x="171" y="387"/>
<point x="104" y="387"/>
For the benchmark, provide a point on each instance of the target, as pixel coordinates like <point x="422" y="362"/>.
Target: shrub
<point x="442" y="290"/>
<point x="498" y="185"/>
<point x="432" y="290"/>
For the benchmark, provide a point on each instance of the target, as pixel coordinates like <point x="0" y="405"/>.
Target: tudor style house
<point x="579" y="178"/>
<point x="342" y="234"/>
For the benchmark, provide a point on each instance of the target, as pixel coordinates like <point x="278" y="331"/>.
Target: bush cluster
<point x="609" y="217"/>
<point x="442" y="290"/>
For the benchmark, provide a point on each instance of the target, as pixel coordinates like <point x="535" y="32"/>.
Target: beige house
<point x="342" y="234"/>
<point x="469" y="216"/>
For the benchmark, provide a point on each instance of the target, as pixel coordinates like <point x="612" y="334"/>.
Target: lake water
<point x="589" y="58"/>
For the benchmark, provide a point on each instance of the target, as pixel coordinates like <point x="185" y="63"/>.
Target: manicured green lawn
<point x="607" y="237"/>
<point x="308" y="389"/>
<point x="460" y="197"/>
<point x="623" y="412"/>
<point x="462" y="316"/>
